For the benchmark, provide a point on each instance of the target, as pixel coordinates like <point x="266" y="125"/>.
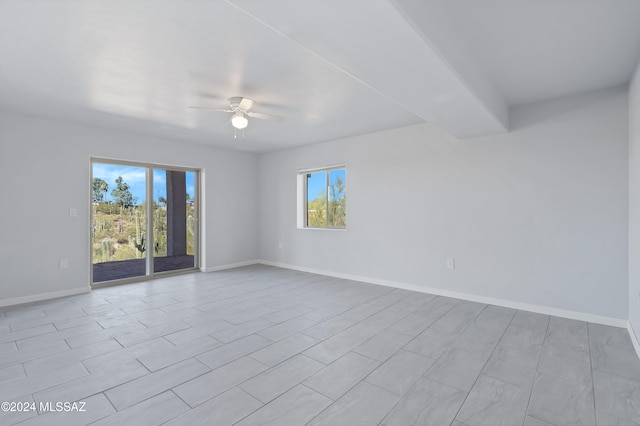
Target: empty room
<point x="380" y="212"/>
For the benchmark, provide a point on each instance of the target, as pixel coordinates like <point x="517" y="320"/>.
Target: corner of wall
<point x="634" y="209"/>
<point x="634" y="338"/>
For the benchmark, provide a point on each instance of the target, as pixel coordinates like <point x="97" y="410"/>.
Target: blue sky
<point x="135" y="177"/>
<point x="316" y="183"/>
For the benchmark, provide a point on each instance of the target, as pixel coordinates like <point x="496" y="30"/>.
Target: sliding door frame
<point x="149" y="258"/>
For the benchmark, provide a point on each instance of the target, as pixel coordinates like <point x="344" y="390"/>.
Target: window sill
<point x="323" y="229"/>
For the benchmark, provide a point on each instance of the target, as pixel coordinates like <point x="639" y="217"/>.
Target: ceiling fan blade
<point x="211" y="108"/>
<point x="264" y="116"/>
<point x="245" y="104"/>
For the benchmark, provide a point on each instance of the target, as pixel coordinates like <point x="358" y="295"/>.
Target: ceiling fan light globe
<point x="239" y="121"/>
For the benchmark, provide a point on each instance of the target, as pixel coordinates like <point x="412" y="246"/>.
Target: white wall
<point x="45" y="170"/>
<point x="634" y="205"/>
<point x="537" y="216"/>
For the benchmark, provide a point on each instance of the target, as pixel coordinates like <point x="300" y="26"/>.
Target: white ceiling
<point x="331" y="68"/>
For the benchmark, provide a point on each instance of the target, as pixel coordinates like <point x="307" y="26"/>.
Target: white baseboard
<point x="581" y="316"/>
<point x="230" y="266"/>
<point x="43" y="296"/>
<point x="634" y="338"/>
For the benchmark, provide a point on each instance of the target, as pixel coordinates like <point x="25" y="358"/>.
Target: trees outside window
<point x="325" y="196"/>
<point x="100" y="188"/>
<point x="122" y="194"/>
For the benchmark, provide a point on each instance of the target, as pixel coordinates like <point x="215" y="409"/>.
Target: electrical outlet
<point x="451" y="264"/>
<point x="64" y="264"/>
<point x="73" y="212"/>
<point x="280" y="245"/>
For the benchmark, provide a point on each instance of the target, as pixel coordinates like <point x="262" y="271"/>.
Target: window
<point x="144" y="220"/>
<point x="324" y="197"/>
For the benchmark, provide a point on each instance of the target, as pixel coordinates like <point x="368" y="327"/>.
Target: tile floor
<point x="267" y="346"/>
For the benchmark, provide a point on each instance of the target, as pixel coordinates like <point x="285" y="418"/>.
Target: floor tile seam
<point x="506" y="381"/>
<point x="327" y="396"/>
<point x="420" y="334"/>
<point x="457" y="334"/>
<point x="275" y="365"/>
<point x="49" y="321"/>
<point x="62" y="330"/>
<point x="239" y="386"/>
<point x="91" y="396"/>
<point x="133" y="405"/>
<point x="178" y="347"/>
<point x="626" y="347"/>
<point x="439" y="316"/>
<point x="155" y="394"/>
<point x="176" y="362"/>
<point x="566" y="380"/>
<point x="286" y="337"/>
<point x="270" y="367"/>
<point x="15" y="348"/>
<point x="484" y="366"/>
<point x="23" y="312"/>
<point x="387" y="390"/>
<point x="100" y="312"/>
<point x="381" y="361"/>
<point x="163" y="296"/>
<point x="394" y="323"/>
<point x="411" y="388"/>
<point x="234" y="359"/>
<point x="216" y="318"/>
<point x="142" y="312"/>
<point x="289" y="319"/>
<point x="335" y="401"/>
<point x="323" y="340"/>
<point x="114" y="386"/>
<point x="23" y="398"/>
<point x="403" y="300"/>
<point x="539" y="419"/>
<point x="593" y="386"/>
<point x="186" y="306"/>
<point x="373" y="359"/>
<point x="200" y="306"/>
<point x="526" y="389"/>
<point x="338" y="314"/>
<point x="368" y="316"/>
<point x="535" y="377"/>
<point x="616" y="375"/>
<point x="357" y="320"/>
<point x="171" y="319"/>
<point x="232" y="286"/>
<point x="241" y="390"/>
<point x="23" y="338"/>
<point x="80" y="360"/>
<point x="147" y="328"/>
<point x="31" y="394"/>
<point x="22" y="361"/>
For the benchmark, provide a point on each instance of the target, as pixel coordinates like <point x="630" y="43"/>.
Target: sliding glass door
<point x="174" y="220"/>
<point x="132" y="238"/>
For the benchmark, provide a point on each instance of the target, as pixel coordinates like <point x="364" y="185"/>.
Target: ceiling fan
<point x="240" y="107"/>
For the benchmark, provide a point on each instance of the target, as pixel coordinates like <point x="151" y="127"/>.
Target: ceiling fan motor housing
<point x="238" y="102"/>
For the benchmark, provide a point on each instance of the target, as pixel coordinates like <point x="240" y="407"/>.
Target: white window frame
<point x="302" y="190"/>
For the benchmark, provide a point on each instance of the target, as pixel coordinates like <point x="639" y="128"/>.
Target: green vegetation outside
<point x="118" y="227"/>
